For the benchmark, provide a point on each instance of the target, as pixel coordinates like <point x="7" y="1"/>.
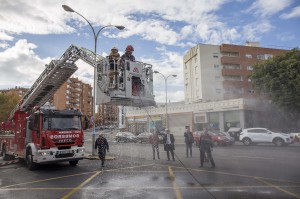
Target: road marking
<point x="278" y="188"/>
<point x="81" y="185"/>
<point x="175" y="186"/>
<point x="147" y="187"/>
<point x="253" y="157"/>
<point x="233" y="174"/>
<point x="25" y="183"/>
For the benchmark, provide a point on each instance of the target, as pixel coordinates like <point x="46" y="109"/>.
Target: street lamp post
<point x="69" y="9"/>
<point x="166" y="88"/>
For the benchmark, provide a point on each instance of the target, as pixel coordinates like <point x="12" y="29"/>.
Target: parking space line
<point x="81" y="185"/>
<point x="175" y="186"/>
<point x="148" y="187"/>
<point x="265" y="158"/>
<point x="31" y="182"/>
<point x="233" y="174"/>
<point x="278" y="188"/>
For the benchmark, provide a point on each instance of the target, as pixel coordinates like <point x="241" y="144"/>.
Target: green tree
<point x="7" y="102"/>
<point x="279" y="77"/>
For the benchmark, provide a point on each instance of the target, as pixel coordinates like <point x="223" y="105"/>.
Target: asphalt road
<point x="262" y="171"/>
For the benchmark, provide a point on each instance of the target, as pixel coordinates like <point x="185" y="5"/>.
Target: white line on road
<point x="253" y="157"/>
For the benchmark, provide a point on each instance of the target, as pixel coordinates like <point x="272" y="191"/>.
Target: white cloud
<point x="4" y="36"/>
<point x="19" y="65"/>
<point x="254" y="30"/>
<point x="150" y="20"/>
<point x="285" y="36"/>
<point x="295" y="13"/>
<point x="266" y="8"/>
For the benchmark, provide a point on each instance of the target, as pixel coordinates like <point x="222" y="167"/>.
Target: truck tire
<point x="29" y="161"/>
<point x="73" y="162"/>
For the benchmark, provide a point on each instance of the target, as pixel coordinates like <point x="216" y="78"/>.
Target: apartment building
<point x="107" y="115"/>
<point x="74" y="94"/>
<point x="221" y="72"/>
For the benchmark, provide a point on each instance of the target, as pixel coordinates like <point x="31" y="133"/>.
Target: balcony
<point x="238" y="72"/>
<point x="230" y="60"/>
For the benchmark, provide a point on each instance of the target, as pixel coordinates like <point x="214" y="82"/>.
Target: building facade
<point x="220" y="72"/>
<point x="74" y="94"/>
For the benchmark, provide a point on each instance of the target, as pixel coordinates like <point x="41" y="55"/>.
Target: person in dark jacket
<point x="102" y="145"/>
<point x="169" y="146"/>
<point x="128" y="53"/>
<point x="189" y="140"/>
<point x="205" y="146"/>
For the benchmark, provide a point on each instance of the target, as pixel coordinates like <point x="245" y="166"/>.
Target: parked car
<point x="235" y="132"/>
<point x="143" y="137"/>
<point x="263" y="135"/>
<point x="218" y="138"/>
<point x="126" y="137"/>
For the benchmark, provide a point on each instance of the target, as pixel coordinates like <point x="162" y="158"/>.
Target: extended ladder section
<point x="54" y="76"/>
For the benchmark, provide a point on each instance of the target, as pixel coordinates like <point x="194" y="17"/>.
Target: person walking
<point x="189" y="140"/>
<point x="169" y="146"/>
<point x="102" y="145"/>
<point x="205" y="146"/>
<point x="154" y="140"/>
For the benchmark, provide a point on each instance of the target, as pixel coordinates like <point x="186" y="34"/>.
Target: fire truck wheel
<point x="30" y="164"/>
<point x="73" y="162"/>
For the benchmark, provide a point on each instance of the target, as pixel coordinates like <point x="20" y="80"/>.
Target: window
<point x="216" y="66"/>
<point x="233" y="77"/>
<point x="264" y="56"/>
<point x="217" y="77"/>
<point x="249" y="56"/>
<point x="231" y="54"/>
<point x="251" y="91"/>
<point x="249" y="67"/>
<point x="231" y="66"/>
<point x="215" y="55"/>
<point x="195" y="59"/>
<point x="218" y="91"/>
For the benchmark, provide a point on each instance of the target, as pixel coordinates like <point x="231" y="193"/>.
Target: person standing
<point x="169" y="146"/>
<point x="102" y="145"/>
<point x="205" y="146"/>
<point x="154" y="140"/>
<point x="113" y="58"/>
<point x="128" y="53"/>
<point x="189" y="140"/>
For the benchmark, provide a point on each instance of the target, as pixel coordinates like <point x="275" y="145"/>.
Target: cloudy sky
<point x="32" y="33"/>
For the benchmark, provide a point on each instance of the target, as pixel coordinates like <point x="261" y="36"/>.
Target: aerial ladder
<point x="132" y="86"/>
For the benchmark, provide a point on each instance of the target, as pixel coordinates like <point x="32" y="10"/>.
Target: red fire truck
<point x="40" y="134"/>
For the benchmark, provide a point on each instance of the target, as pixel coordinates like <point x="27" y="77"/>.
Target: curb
<point x="5" y="163"/>
<point x="95" y="157"/>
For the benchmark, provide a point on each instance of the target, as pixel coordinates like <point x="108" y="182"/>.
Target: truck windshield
<point x="62" y="123"/>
